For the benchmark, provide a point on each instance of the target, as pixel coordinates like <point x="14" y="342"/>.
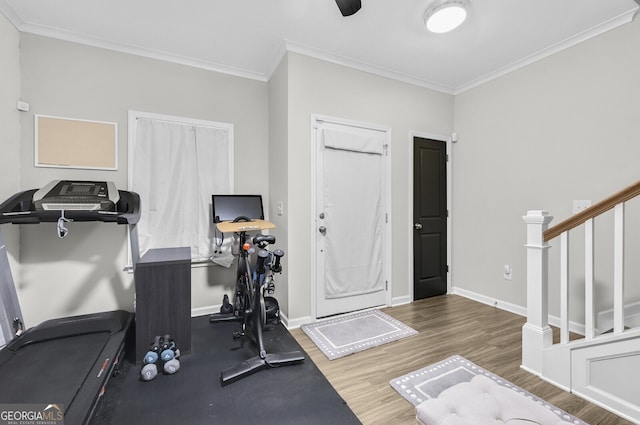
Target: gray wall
<point x="9" y="130"/>
<point x="560" y="129"/>
<point x="9" y="115"/>
<point x="278" y="174"/>
<point x="318" y="87"/>
<point x="563" y="128"/>
<point x="83" y="272"/>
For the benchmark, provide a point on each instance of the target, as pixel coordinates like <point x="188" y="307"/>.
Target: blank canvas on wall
<point x="72" y="143"/>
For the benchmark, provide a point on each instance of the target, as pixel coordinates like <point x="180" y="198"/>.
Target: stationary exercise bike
<point x="249" y="306"/>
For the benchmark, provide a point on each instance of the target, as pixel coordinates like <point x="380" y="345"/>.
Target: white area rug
<point x="427" y="383"/>
<point x="349" y="334"/>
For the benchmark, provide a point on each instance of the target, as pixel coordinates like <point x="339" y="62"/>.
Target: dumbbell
<point x="150" y="368"/>
<point x="167" y="349"/>
<point x="152" y="354"/>
<point x="173" y="365"/>
<point x="277" y="267"/>
<point x="149" y="371"/>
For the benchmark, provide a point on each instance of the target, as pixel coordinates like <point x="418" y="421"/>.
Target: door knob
<point x="417" y="226"/>
<point x="322" y="230"/>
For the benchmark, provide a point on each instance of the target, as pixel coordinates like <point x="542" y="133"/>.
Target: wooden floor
<point x="447" y="325"/>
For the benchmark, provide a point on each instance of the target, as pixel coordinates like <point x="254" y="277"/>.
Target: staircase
<point x="603" y="365"/>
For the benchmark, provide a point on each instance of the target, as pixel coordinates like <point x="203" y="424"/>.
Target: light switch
<point x="507" y="272"/>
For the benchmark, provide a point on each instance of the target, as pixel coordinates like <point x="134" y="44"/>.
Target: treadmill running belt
<point x="55" y="376"/>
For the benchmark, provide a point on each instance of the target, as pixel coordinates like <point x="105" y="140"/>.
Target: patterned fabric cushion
<point x="483" y="402"/>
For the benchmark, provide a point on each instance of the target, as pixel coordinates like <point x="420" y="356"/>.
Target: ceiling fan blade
<point x="349" y="7"/>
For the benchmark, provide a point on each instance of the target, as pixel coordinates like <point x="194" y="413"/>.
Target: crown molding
<point x="613" y="23"/>
<point x="291" y="46"/>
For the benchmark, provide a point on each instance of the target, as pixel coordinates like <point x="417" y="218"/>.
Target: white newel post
<point x="536" y="333"/>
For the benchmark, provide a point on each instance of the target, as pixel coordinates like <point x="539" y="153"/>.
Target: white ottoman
<point x="482" y="401"/>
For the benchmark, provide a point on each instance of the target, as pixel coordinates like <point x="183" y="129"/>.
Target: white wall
<point x="83" y="272"/>
<point x="318" y="87"/>
<point x="563" y="128"/>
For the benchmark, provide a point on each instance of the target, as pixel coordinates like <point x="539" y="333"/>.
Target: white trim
<point x="552" y="50"/>
<point x="449" y="151"/>
<point x="91" y="41"/>
<point x="574" y="327"/>
<point x="295" y="323"/>
<point x="314" y="120"/>
<point x="205" y="311"/>
<point x="403" y="300"/>
<point x="291" y="46"/>
<point x="502" y="305"/>
<point x="289" y="324"/>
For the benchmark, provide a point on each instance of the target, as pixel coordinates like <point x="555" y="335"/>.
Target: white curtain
<point x="353" y="208"/>
<point x="176" y="168"/>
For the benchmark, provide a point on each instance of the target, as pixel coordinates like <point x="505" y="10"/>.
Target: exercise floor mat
<point x="292" y="394"/>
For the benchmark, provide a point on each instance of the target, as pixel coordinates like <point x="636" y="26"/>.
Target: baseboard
<point x="295" y="323"/>
<point x="205" y="311"/>
<point x="604" y="321"/>
<point x="502" y="305"/>
<point x="574" y="327"/>
<point x="401" y="301"/>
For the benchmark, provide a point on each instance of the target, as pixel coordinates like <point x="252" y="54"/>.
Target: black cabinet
<point x="163" y="298"/>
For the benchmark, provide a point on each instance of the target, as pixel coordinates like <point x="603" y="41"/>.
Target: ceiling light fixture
<point x="445" y="15"/>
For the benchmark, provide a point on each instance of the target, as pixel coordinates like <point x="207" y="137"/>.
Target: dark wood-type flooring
<point x="447" y="325"/>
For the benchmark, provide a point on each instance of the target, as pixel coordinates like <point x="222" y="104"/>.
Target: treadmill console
<point x="76" y="195"/>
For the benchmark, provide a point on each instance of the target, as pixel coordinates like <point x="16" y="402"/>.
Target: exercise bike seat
<point x="264" y="240"/>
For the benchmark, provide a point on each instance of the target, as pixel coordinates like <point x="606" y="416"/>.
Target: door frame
<point x="313" y="193"/>
<point x="410" y="230"/>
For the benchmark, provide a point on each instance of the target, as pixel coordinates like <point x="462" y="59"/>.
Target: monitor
<point x="230" y="207"/>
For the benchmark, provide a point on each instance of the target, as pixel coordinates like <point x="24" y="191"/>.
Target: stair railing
<point x="537" y="334"/>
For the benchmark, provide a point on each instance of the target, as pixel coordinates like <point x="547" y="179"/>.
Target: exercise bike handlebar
<point x="241" y="218"/>
<point x="262" y="256"/>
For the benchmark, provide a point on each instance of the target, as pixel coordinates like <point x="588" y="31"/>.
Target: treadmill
<point x="65" y="361"/>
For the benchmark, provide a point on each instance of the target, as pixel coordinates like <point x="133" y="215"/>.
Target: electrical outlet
<point x="507" y="272"/>
<point x="580" y="205"/>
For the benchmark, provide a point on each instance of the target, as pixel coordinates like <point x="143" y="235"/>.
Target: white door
<point x="350" y="218"/>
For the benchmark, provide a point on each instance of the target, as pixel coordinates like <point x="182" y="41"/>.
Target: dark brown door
<point x="429" y="218"/>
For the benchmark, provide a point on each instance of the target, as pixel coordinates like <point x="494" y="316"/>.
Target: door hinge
<point x="447" y="158"/>
<point x="447" y="268"/>
<point x="386" y="285"/>
<point x="447" y="213"/>
<point x="386" y="217"/>
<point x="385" y="148"/>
